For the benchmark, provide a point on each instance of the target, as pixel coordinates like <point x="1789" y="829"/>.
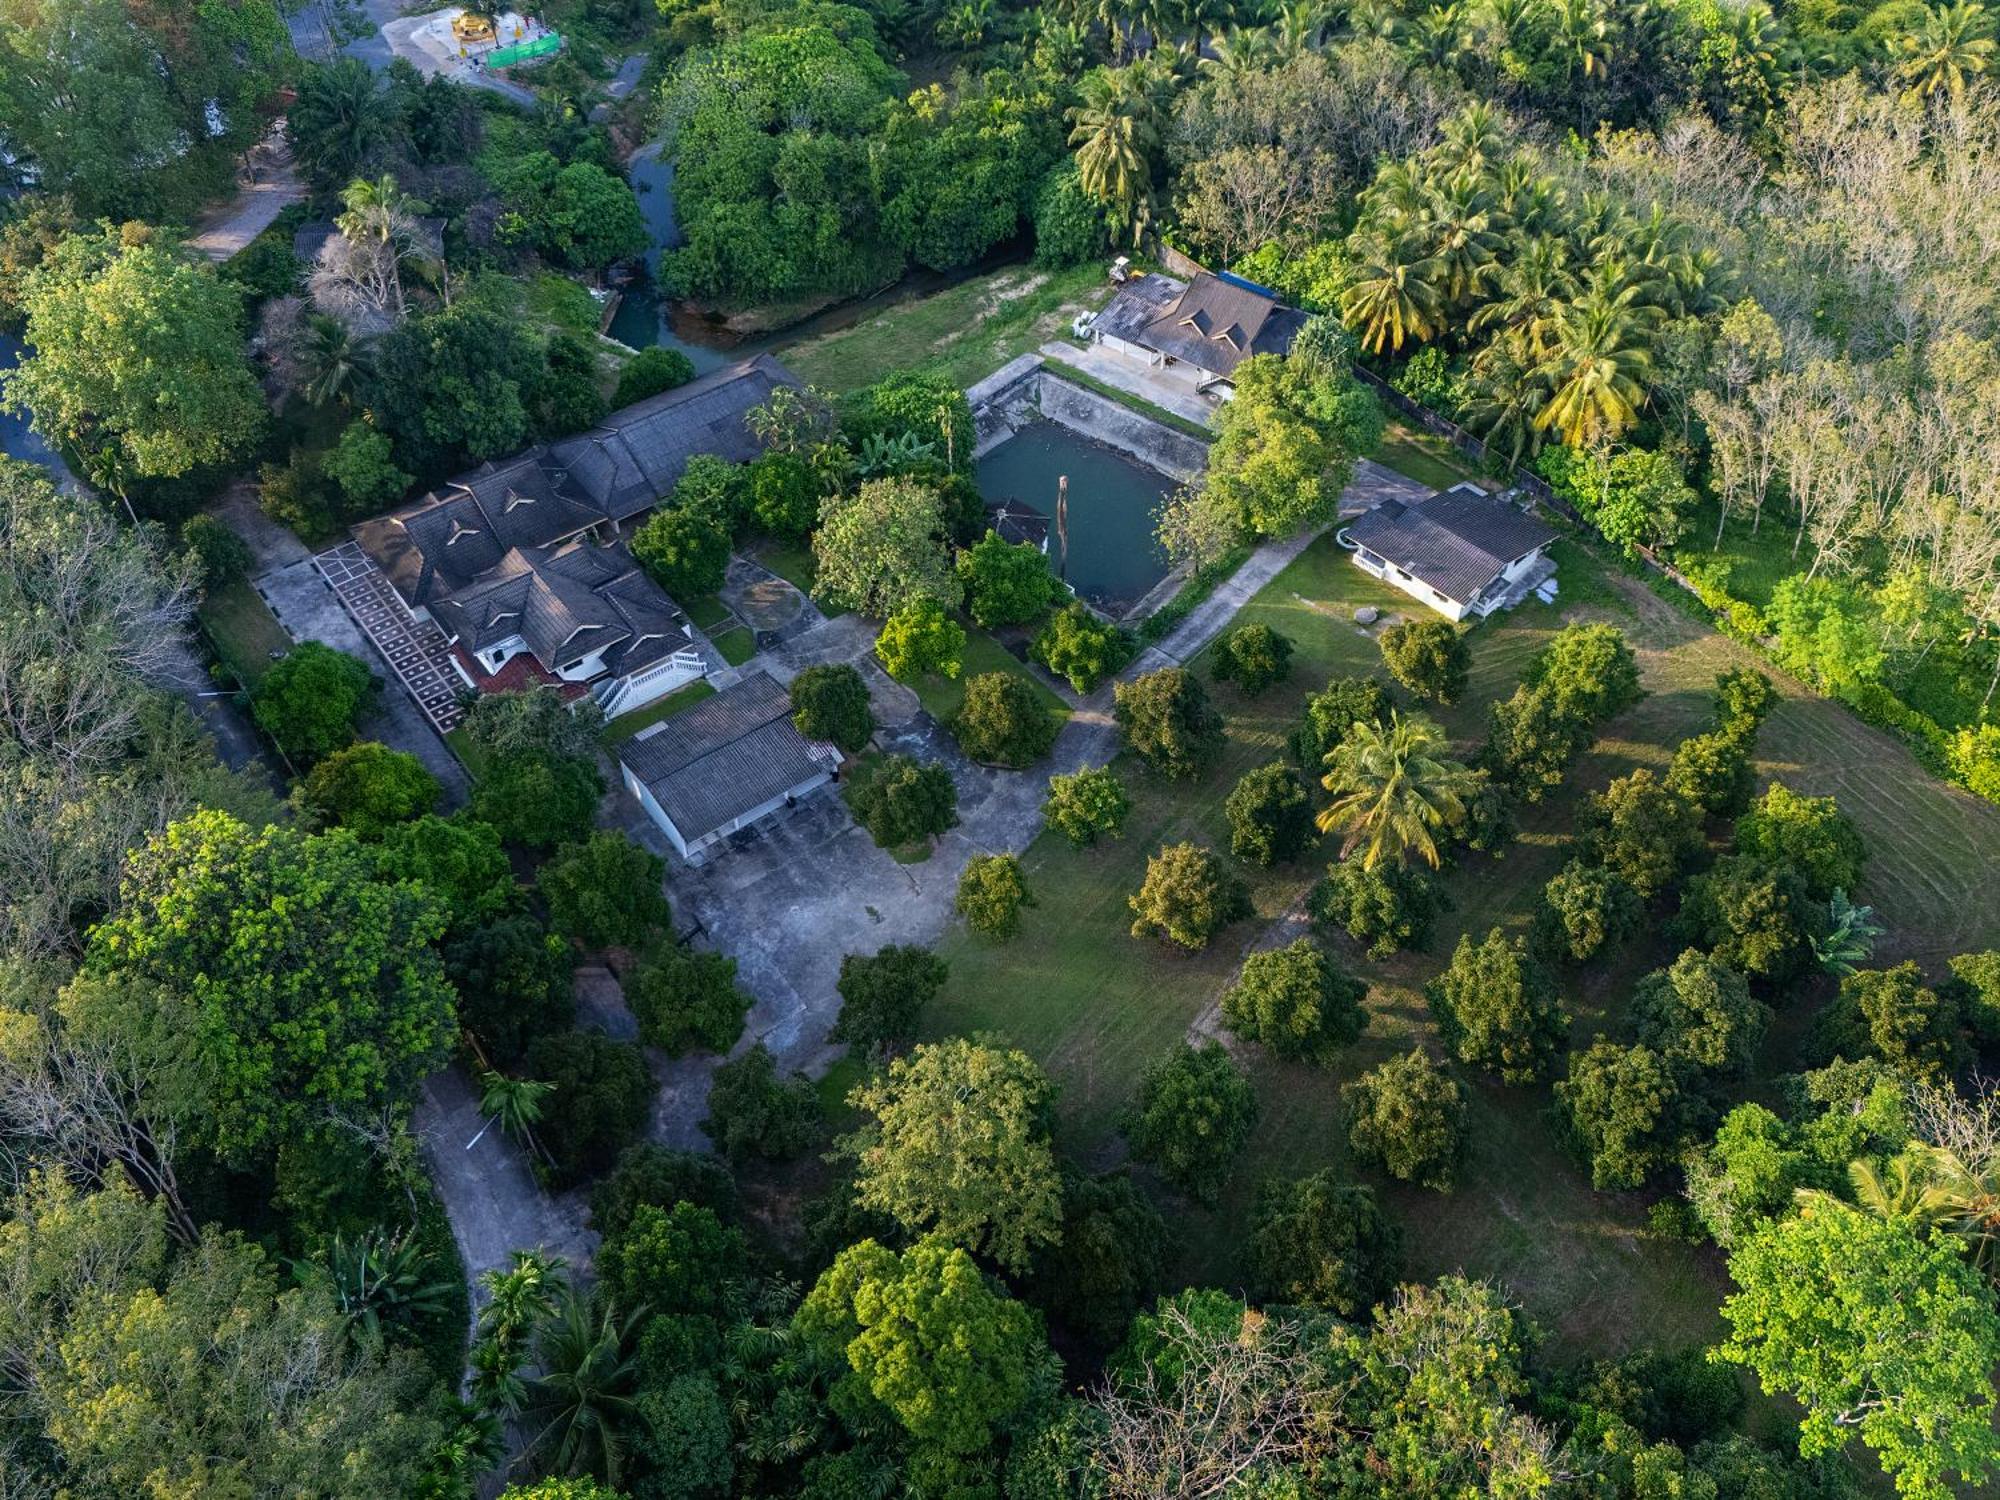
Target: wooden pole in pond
<point x="1062" y="527"/>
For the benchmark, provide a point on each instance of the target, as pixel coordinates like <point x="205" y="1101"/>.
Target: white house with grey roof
<point x="1463" y="551"/>
<point x="724" y="764"/>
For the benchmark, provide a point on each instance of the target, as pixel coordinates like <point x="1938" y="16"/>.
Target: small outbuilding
<point x="724" y="764"/>
<point x="1462" y="551"/>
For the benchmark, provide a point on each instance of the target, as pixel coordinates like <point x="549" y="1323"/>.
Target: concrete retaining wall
<point x="1025" y="389"/>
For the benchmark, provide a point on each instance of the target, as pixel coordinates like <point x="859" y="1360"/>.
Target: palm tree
<point x="1062" y="47"/>
<point x="1956" y="41"/>
<point x="1505" y="398"/>
<point x="1394" y="791"/>
<point x="380" y="1279"/>
<point x="1601" y="353"/>
<point x="1236" y="52"/>
<point x="336" y="121"/>
<point x="583" y="1397"/>
<point x="1850" y="938"/>
<point x="1583" y="39"/>
<point x="1438" y="35"/>
<point x="332" y="358"/>
<point x="1391" y="300"/>
<point x="1514" y="21"/>
<point x="376" y="212"/>
<point x="1535" y="287"/>
<point x="1463" y="234"/>
<point x="514" y="1104"/>
<point x="518" y="1301"/>
<point x="1115" y="131"/>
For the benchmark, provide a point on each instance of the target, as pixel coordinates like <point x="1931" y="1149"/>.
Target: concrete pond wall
<point x="1027" y="389"/>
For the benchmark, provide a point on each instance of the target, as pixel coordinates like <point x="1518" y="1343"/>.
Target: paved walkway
<point x="266" y="185"/>
<point x="1094" y="360"/>
<point x="416" y="650"/>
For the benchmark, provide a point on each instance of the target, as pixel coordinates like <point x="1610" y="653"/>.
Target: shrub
<point x="713" y="489"/>
<point x="1270" y="816"/>
<point x="1429" y="657"/>
<point x="1187" y="897"/>
<point x="1390" y="908"/>
<point x="1700" y="1011"/>
<point x="222" y="555"/>
<point x="658" y="1176"/>
<point x="1193" y="1113"/>
<point x="902" y="801"/>
<point x="1166" y="719"/>
<point x="367" y="788"/>
<point x="1085" y="804"/>
<point x="1498" y="1008"/>
<point x="883" y="995"/>
<point x="1713" y="771"/>
<point x="1891" y="1014"/>
<point x="754" y="1113"/>
<point x="602" y="1097"/>
<point x="1642" y="831"/>
<point x="1585" y="908"/>
<point x="1407" y="1118"/>
<point x="1080" y="648"/>
<point x="1296" y="1001"/>
<point x="831" y="703"/>
<point x="1317" y="1242"/>
<point x="1254" y="657"/>
<point x="685" y="551"/>
<point x="606" y="892"/>
<point x="991" y="893"/>
<point x="1810" y="834"/>
<point x="919" y="640"/>
<point x="1006" y="583"/>
<point x="784" y="495"/>
<point x="514" y="984"/>
<point x="1332" y="712"/>
<point x="686" y="998"/>
<point x="309" y="702"/>
<point x="650" y="372"/>
<point x="1069" y="223"/>
<point x="1755" y="916"/>
<point x="1003" y="720"/>
<point x="1625" y="1112"/>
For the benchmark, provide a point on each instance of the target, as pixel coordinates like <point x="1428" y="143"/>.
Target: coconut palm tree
<point x="583" y="1397"/>
<point x="1505" y="398"/>
<point x="1437" y="36"/>
<point x="1464" y="237"/>
<point x="1236" y="52"/>
<point x="1115" y="130"/>
<point x="514" y="1104"/>
<point x="332" y="359"/>
<point x="1515" y="22"/>
<point x="337" y="120"/>
<point x="1602" y="351"/>
<point x="1392" y="300"/>
<point x="1534" y="288"/>
<point x="1956" y="42"/>
<point x="1395" y="791"/>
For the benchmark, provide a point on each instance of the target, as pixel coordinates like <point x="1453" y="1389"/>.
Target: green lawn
<point x="793" y="562"/>
<point x="1423" y="457"/>
<point x="966" y="331"/>
<point x="1096" y="1006"/>
<point x="707" y="612"/>
<point x="243" y="630"/>
<point x="944" y="695"/>
<point x="469" y="755"/>
<point x="622" y="728"/>
<point x="737" y="645"/>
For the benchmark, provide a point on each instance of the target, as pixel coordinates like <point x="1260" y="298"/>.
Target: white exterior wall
<point x="1395" y="577"/>
<point x="1139" y="354"/>
<point x="707" y="841"/>
<point x="653" y="809"/>
<point x="651" y="685"/>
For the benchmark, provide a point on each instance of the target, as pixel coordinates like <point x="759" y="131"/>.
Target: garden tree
<point x="680" y="1261"/>
<point x="367" y="788"/>
<point x="362" y="463"/>
<point x="683" y="1439"/>
<point x="904" y="801"/>
<point x="1642" y="831"/>
<point x="1254" y="657"/>
<point x="1429" y="657"/>
<point x="1286" y="443"/>
<point x="685" y="551"/>
<point x="1744" y="698"/>
<point x="138" y="355"/>
<point x="1810" y="834"/>
<point x="605" y="891"/>
<point x="1079" y="647"/>
<point x="312" y="986"/>
<point x="784" y="495"/>
<point x="1974" y="987"/>
<point x="221" y="556"/>
<point x="713" y="488"/>
<point x="1332" y="712"/>
<point x="1165" y="718"/>
<point x="562" y="1489"/>
<point x="577" y="215"/>
<point x="308" y="702"/>
<point x="541" y="781"/>
<point x="606" y="1093"/>
<point x="1585" y="909"/>
<point x="1390" y="908"/>
<point x="1087" y="803"/>
<point x="1625" y="1112"/>
<point x="883" y="995"/>
<point x="1191" y="1117"/>
<point x="883" y="547"/>
<point x="991" y="893"/>
<point x="1498" y="1008"/>
<point x="1714" y="772"/>
<point x="142" y="1370"/>
<point x="1318" y="1242"/>
<point x="656" y="1175"/>
<point x="926" y="415"/>
<point x="459" y="859"/>
<point x="1108" y="1261"/>
<point x="1199" y="531"/>
<point x="1531" y="742"/>
<point x="1407" y="1118"/>
<point x="513" y="981"/>
<point x="649" y="372"/>
<point x="957" y="168"/>
<point x="830" y="702"/>
<point x="957" y="1146"/>
<point x="1590" y="669"/>
<point x="1187" y="897"/>
<point x="1270" y="816"/>
<point x="687" y="998"/>
<point x="1394" y="791"/>
<point x="1636" y="499"/>
<point x="1700" y="1011"/>
<point x="1003" y="720"/>
<point x="1822" y="632"/>
<point x="1756" y="916"/>
<point x="950" y="1356"/>
<point x="1296" y="1001"/>
<point x="920" y="640"/>
<point x="1893" y="1015"/>
<point x="752" y="1112"/>
<point x="1005" y="583"/>
<point x="456" y="384"/>
<point x="1069" y="227"/>
<point x="1871" y="1329"/>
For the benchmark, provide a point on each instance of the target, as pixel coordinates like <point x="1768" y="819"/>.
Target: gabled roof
<point x="1216" y="324"/>
<point x="1018" y="523"/>
<point x="729" y="754"/>
<point x="1456" y="541"/>
<point x="566" y="603"/>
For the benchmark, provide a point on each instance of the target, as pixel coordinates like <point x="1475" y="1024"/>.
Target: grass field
<point x="243" y="629"/>
<point x="942" y="696"/>
<point x="622" y="728"/>
<point x="1096" y="1006"/>
<point x="469" y="755"/>
<point x="1424" y="456"/>
<point x="965" y="332"/>
<point x="737" y="645"/>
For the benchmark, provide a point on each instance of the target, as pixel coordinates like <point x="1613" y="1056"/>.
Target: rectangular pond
<point x="1114" y="502"/>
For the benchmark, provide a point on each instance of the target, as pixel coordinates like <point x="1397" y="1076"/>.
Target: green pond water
<point x="1114" y="558"/>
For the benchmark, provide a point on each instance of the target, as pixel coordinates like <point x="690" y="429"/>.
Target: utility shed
<point x="723" y="764"/>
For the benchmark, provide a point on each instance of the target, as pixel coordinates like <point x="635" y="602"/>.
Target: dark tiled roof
<point x="1456" y="541"/>
<point x="565" y="603"/>
<point x="1215" y="325"/>
<point x="1018" y="522"/>
<point x="728" y="754"/>
<point x="1138" y="303"/>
